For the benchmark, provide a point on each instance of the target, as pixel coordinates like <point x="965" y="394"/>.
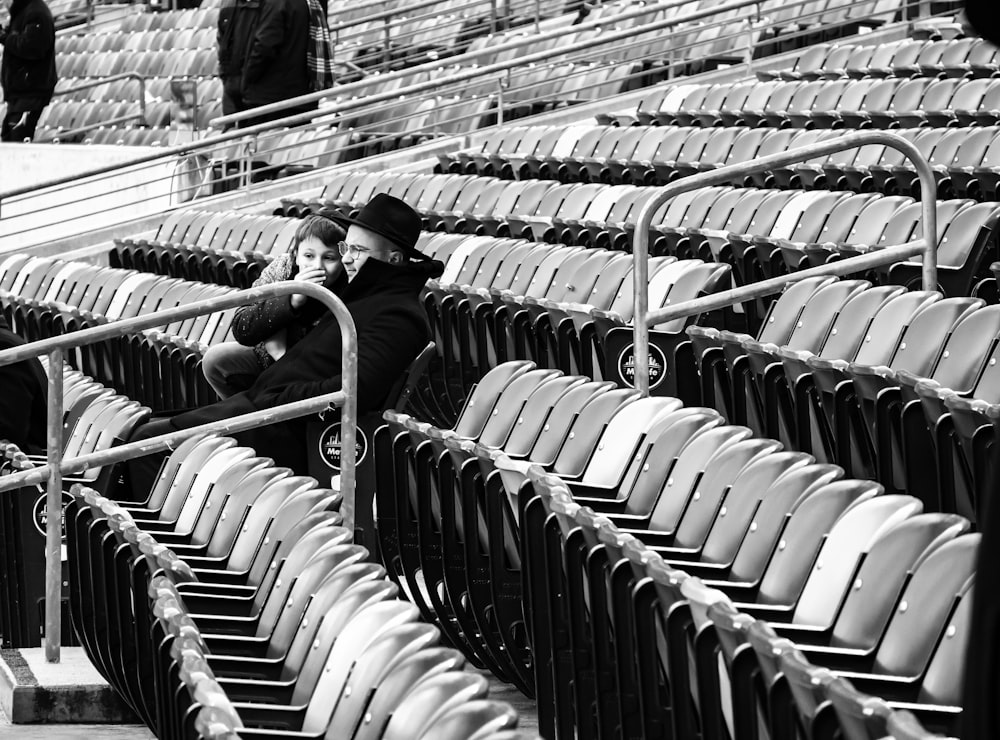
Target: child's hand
<point x="316" y="276"/>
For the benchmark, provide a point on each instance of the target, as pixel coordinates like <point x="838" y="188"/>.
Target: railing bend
<point x="56" y="466"/>
<point x="643" y="318"/>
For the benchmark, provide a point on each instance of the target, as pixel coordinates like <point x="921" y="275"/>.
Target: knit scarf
<point x="319" y="59"/>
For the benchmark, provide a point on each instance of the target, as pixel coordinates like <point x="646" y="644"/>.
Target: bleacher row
<point x="963" y="159"/>
<point x="777" y="543"/>
<point x="180" y="45"/>
<point x="242" y="599"/>
<point x="159" y="368"/>
<point x="649" y="539"/>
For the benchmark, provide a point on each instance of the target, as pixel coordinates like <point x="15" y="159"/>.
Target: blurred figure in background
<point x="28" y="69"/>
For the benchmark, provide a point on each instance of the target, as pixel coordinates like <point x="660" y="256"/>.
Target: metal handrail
<point x="366" y="100"/>
<point x="369" y="99"/>
<point x="72" y="132"/>
<point x="517" y="43"/>
<point x="643" y="317"/>
<point x="98" y="81"/>
<point x="55" y="467"/>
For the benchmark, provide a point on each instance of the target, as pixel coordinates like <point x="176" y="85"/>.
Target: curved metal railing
<point x="56" y="466"/>
<point x="644" y="318"/>
<point x="360" y="117"/>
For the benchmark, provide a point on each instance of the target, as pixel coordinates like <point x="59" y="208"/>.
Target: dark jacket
<point x="392" y="330"/>
<point x="237" y="24"/>
<point x="258" y="322"/>
<point x="23" y="393"/>
<point x="28" y="70"/>
<point x="275" y="66"/>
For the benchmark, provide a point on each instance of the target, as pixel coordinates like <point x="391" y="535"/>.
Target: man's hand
<point x="317" y="276"/>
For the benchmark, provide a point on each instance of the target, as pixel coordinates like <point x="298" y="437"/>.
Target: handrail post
<point x="387" y="49"/>
<point x="640" y="241"/>
<point x="52" y="470"/>
<point x="53" y="508"/>
<point x="501" y="86"/>
<point x="142" y="95"/>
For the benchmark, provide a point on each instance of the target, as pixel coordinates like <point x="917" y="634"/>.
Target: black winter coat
<point x="392" y="330"/>
<point x="23" y="392"/>
<point x="275" y="66"/>
<point x="258" y="322"/>
<point x="28" y="70"/>
<point x="237" y="24"/>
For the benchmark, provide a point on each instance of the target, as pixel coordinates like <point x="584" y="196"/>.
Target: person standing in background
<point x="28" y="70"/>
<point x="288" y="56"/>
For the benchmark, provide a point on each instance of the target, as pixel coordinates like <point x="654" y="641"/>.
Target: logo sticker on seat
<point x="657" y="366"/>
<point x="329" y="446"/>
<point x="40" y="513"/>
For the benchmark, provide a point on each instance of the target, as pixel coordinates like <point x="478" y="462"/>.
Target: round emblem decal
<point x="40" y="514"/>
<point x="657" y="366"/>
<point x="329" y="446"/>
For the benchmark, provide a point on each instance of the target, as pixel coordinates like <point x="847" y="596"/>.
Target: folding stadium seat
<point x="819" y="527"/>
<point x="922" y="543"/>
<point x="759" y="379"/>
<point x="802" y="221"/>
<point x="977" y="178"/>
<point x="981" y="61"/>
<point x="568" y="522"/>
<point x="590" y="165"/>
<point x="924" y="671"/>
<point x="562" y="202"/>
<point x="854" y="420"/>
<point x="961" y="108"/>
<point x="962" y="250"/>
<point x="680" y="107"/>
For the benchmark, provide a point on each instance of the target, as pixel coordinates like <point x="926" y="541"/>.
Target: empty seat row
<point x="966" y="57"/>
<point x="710" y="223"/>
<point x="847" y="103"/>
<point x="571" y="536"/>
<point x="239" y="605"/>
<point x="158" y="367"/>
<point x="964" y="160"/>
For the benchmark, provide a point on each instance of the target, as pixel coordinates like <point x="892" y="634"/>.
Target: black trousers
<point x="141" y="473"/>
<point x="20" y="125"/>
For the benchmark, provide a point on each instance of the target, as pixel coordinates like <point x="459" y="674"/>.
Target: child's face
<point x="314" y="255"/>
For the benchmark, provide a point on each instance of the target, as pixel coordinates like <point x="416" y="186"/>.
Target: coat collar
<point x="377" y="277"/>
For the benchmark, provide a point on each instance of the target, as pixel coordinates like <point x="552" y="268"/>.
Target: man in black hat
<point x="386" y="273"/>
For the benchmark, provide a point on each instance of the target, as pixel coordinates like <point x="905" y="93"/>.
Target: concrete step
<point x="69" y="692"/>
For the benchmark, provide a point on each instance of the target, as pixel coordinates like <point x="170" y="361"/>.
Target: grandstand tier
<point x="781" y="539"/>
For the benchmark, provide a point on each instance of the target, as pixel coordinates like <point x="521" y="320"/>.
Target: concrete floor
<point x="498" y="690"/>
<point x="72" y="732"/>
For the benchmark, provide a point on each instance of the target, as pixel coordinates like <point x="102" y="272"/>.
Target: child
<point x="264" y="330"/>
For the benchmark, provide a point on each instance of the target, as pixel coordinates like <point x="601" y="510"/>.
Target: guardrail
<point x="56" y="466"/>
<point x="141" y="115"/>
<point x="643" y="318"/>
<point x="462" y="101"/>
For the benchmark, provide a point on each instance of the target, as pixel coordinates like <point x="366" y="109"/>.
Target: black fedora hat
<point x="391" y="218"/>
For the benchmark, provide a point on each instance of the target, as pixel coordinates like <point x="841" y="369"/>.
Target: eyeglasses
<point x="354" y="250"/>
